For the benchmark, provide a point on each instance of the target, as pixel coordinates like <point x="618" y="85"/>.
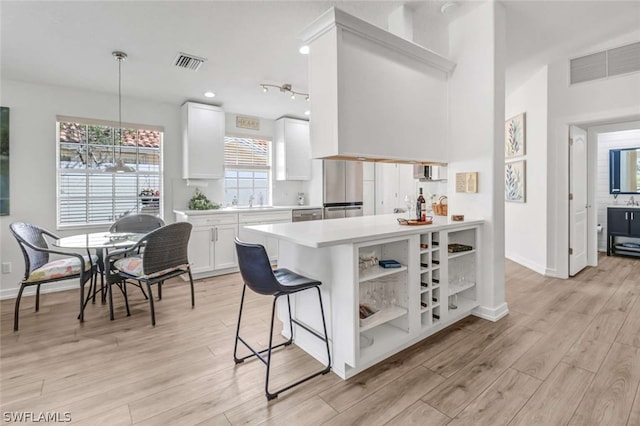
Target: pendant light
<point x="119" y="166"/>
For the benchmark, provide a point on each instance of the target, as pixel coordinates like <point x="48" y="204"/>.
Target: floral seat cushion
<point x="133" y="266"/>
<point x="60" y="268"/>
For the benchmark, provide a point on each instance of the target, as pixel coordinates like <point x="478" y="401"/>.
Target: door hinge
<point x="570" y="141"/>
<point x="570" y="196"/>
<point x="570" y="251"/>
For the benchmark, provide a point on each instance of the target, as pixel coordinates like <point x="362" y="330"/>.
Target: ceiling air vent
<point x="624" y="59"/>
<point x="621" y="60"/>
<point x="189" y="62"/>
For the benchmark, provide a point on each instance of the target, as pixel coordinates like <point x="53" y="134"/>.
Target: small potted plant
<point x="199" y="201"/>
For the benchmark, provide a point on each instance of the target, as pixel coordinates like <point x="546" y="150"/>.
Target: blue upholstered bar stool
<point x="257" y="274"/>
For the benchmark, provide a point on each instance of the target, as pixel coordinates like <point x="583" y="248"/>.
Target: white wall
<point x="526" y="223"/>
<point x="607" y="141"/>
<point x="607" y="100"/>
<point x="476" y="88"/>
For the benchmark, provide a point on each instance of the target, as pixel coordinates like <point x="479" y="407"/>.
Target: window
<point x="247" y="170"/>
<point x="89" y="190"/>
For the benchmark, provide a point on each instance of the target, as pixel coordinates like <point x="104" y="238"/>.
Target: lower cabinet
<point x="250" y="219"/>
<point x="623" y="231"/>
<point x="211" y="246"/>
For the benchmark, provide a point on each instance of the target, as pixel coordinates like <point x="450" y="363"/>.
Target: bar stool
<point x="257" y="274"/>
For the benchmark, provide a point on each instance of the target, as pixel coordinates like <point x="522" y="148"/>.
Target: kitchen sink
<point x="252" y="208"/>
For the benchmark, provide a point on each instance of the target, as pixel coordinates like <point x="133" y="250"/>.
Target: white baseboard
<point x="551" y="272"/>
<point x="541" y="269"/>
<point x="491" y="314"/>
<point x="12" y="293"/>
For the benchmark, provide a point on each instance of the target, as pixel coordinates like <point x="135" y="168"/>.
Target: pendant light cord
<point x="119" y="56"/>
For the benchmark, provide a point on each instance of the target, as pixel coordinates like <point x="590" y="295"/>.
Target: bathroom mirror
<point x="624" y="171"/>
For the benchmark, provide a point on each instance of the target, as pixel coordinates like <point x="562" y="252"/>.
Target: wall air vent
<point x="189" y="62"/>
<point x="621" y="60"/>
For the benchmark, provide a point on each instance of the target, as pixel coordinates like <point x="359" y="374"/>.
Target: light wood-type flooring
<point x="568" y="353"/>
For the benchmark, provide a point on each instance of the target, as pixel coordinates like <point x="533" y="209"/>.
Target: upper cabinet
<point x="293" y="150"/>
<point x="202" y="141"/>
<point x="374" y="95"/>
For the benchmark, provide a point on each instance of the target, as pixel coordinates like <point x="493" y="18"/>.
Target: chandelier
<point x="119" y="166"/>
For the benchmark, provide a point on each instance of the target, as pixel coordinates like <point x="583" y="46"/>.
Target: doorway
<point x="600" y="137"/>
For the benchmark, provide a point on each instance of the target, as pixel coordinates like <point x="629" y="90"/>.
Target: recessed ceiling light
<point x="307" y="112"/>
<point x="209" y="94"/>
<point x="304" y="50"/>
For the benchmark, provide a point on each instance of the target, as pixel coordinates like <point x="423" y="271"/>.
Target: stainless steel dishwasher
<point x="302" y="215"/>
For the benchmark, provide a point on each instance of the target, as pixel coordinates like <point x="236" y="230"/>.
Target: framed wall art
<point x="515" y="181"/>
<point x="515" y="136"/>
<point x="4" y="161"/>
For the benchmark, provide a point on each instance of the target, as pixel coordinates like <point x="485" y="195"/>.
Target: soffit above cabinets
<point x="374" y="95"/>
<point x="337" y="18"/>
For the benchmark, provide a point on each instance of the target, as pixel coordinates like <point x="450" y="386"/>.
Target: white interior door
<point x="577" y="200"/>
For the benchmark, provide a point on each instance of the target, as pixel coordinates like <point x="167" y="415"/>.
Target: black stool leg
<point x="235" y="345"/>
<point x="270" y="395"/>
<point x="275" y="394"/>
<point x="160" y="290"/>
<point x="326" y="336"/>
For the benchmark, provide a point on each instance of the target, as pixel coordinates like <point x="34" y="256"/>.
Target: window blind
<point x="246" y="153"/>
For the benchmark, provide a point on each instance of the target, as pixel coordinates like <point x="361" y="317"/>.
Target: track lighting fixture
<point x="285" y="88"/>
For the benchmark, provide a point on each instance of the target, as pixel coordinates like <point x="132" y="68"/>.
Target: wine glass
<point x="409" y="203"/>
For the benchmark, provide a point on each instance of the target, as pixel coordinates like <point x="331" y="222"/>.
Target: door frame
<point x="591" y="228"/>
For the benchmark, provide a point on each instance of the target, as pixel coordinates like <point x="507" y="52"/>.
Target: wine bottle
<point x="421" y="207"/>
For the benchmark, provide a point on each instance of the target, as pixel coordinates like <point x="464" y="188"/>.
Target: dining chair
<point x="164" y="256"/>
<point x="41" y="269"/>
<point x="258" y="276"/>
<point x="138" y="223"/>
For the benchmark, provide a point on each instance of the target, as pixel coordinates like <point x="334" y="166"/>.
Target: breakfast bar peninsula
<point x="374" y="311"/>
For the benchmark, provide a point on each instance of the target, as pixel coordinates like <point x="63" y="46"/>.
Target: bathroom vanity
<point x="623" y="230"/>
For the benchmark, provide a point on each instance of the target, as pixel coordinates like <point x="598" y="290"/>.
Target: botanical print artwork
<point x="514" y="136"/>
<point x="515" y="181"/>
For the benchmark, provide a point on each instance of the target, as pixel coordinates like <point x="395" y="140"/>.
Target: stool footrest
<point x="315" y="333"/>
<point x="258" y="353"/>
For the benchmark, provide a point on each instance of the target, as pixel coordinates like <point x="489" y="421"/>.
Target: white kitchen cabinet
<point x="393" y="183"/>
<point x="262" y="218"/>
<point x="211" y="246"/>
<point x="292" y="149"/>
<point x="202" y="141"/>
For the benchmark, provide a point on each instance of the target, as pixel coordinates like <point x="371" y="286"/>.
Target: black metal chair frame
<point x="270" y="348"/>
<point x="138" y="223"/>
<point x="163" y="249"/>
<point x="33" y="264"/>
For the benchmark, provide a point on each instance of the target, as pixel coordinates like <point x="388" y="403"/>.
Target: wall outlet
<point x="6" y="267"/>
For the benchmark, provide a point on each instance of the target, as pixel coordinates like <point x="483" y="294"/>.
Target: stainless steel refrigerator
<point x="342" y="188"/>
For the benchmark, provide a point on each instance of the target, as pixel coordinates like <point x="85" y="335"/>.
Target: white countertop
<point x="324" y="233"/>
<point x="244" y="210"/>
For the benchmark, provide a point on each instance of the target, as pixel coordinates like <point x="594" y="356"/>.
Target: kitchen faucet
<point x="251" y="198"/>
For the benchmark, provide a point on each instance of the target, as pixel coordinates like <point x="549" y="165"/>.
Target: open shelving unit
<point x="385" y="290"/>
<point x="430" y="276"/>
<point x="461" y="280"/>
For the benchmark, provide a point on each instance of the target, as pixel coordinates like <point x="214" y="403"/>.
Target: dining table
<point x="101" y="242"/>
